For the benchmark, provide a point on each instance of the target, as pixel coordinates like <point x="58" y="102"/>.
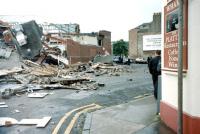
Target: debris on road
<point x="3" y="105"/>
<point x="45" y="66"/>
<point x="5" y="72"/>
<point x="37" y="95"/>
<point x="16" y="111"/>
<point x="40" y="123"/>
<point x="33" y="77"/>
<point x="7" y="121"/>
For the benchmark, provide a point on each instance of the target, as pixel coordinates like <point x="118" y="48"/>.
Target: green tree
<point x="120" y="48"/>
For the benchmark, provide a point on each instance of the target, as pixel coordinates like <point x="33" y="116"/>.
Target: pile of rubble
<point x="32" y="76"/>
<point x="41" y="66"/>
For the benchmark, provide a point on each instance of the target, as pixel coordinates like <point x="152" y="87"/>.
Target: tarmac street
<point x="116" y="99"/>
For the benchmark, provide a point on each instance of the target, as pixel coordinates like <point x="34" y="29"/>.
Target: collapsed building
<point x="33" y="61"/>
<point x="38" y="42"/>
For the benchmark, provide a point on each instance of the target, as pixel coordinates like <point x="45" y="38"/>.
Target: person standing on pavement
<point x="155" y="70"/>
<point x="148" y="60"/>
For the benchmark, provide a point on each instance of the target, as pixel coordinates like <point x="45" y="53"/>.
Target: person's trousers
<point x="155" y="85"/>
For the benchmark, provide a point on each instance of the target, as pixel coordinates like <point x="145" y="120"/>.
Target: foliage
<point x="120" y="48"/>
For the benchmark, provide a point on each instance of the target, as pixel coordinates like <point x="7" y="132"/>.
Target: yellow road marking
<point x="73" y="121"/>
<point x="62" y="120"/>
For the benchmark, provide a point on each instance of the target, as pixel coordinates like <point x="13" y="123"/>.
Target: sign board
<point x="171" y="35"/>
<point x="151" y="42"/>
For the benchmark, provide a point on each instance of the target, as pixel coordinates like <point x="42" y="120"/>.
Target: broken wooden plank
<point x="95" y="66"/>
<point x="2" y="103"/>
<point x="68" y="81"/>
<point x="8" y="80"/>
<point x="43" y="71"/>
<point x="24" y="78"/>
<point x="31" y="64"/>
<point x="38" y="122"/>
<point x="7" y="121"/>
<point x="3" y="106"/>
<point x="58" y="86"/>
<point x="37" y="95"/>
<point x="43" y="122"/>
<point x="5" y="72"/>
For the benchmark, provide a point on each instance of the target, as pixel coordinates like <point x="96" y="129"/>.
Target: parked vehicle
<point x="116" y="59"/>
<point x="141" y="60"/>
<point x="122" y="60"/>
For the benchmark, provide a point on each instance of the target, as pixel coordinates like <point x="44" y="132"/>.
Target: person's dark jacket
<point x="153" y="65"/>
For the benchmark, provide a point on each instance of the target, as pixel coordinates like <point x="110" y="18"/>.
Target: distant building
<point x="80" y="47"/>
<point x="136" y="37"/>
<point x="83" y="47"/>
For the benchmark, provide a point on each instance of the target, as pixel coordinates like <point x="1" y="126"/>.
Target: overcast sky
<point x="117" y="16"/>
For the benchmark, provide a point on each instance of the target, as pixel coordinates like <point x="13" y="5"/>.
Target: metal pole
<point x="180" y="68"/>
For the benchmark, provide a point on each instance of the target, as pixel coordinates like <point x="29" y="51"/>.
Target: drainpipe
<point x="180" y="69"/>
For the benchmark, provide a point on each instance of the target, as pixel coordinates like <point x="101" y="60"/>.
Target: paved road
<point x="117" y="90"/>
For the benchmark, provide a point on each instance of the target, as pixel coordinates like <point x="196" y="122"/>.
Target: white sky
<point x="117" y="16"/>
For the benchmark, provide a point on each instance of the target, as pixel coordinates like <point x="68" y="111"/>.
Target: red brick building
<point x="84" y="47"/>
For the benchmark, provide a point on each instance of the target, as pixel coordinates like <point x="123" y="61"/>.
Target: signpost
<point x="175" y="46"/>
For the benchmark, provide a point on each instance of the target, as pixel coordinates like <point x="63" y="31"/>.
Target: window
<point x="100" y="42"/>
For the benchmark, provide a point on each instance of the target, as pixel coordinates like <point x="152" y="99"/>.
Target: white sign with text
<point x="151" y="42"/>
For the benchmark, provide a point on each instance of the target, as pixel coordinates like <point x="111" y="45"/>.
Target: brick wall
<point x="133" y="43"/>
<point x="106" y="40"/>
<point x="81" y="53"/>
<point x="77" y="52"/>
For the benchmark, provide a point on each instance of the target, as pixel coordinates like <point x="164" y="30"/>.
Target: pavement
<point x="135" y="117"/>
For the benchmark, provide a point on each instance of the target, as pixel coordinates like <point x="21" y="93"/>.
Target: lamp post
<point x="180" y="68"/>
